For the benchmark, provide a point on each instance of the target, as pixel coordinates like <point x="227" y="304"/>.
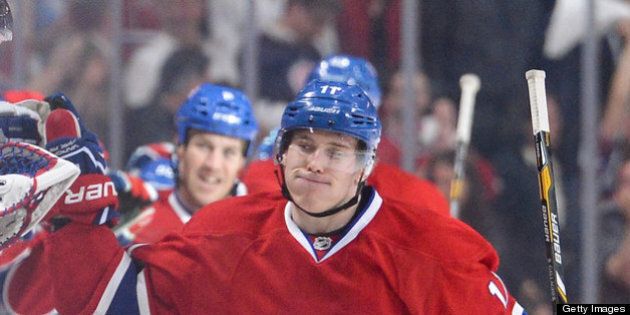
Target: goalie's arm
<point x="24" y="279"/>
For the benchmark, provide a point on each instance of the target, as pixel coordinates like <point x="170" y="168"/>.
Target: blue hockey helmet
<point x="217" y="109"/>
<point x="352" y="70"/>
<point x="159" y="173"/>
<point x="332" y="106"/>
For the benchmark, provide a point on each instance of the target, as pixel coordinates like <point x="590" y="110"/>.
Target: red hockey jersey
<point x="164" y="216"/>
<point x="246" y="255"/>
<point x="387" y="179"/>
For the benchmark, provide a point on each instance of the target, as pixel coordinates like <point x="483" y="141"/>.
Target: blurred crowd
<point x="171" y="46"/>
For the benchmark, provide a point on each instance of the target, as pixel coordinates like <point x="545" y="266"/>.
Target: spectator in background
<point x="478" y="191"/>
<point x="78" y="64"/>
<point x="229" y="21"/>
<point x="615" y="241"/>
<point x="616" y="113"/>
<point x="498" y="41"/>
<point x="436" y="120"/>
<point x="371" y="29"/>
<point x="392" y="114"/>
<point x="568" y="72"/>
<point x="615" y="131"/>
<point x="183" y="24"/>
<point x="287" y="54"/>
<point x="182" y="71"/>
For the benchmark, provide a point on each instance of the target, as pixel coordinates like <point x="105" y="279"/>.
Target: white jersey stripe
<point x="505" y="290"/>
<point x="366" y="218"/>
<point x="517" y="309"/>
<point x="143" y="296"/>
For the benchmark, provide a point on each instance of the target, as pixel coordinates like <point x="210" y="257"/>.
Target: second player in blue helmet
<point x="327" y="141"/>
<point x="216" y="129"/>
<point x="351" y="70"/>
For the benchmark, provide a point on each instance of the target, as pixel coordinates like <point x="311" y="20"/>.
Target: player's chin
<point x="312" y="207"/>
<point x="313" y="202"/>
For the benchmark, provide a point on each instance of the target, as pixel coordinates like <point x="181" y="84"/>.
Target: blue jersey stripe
<point x="126" y="300"/>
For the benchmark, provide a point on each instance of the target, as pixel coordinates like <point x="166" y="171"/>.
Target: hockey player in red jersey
<point x="388" y="179"/>
<point x="216" y="128"/>
<point x="327" y="244"/>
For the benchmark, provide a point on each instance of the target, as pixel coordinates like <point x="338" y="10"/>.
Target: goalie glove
<point x="31" y="181"/>
<point x="92" y="199"/>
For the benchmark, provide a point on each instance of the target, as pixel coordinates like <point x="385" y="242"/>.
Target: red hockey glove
<point x="92" y="198"/>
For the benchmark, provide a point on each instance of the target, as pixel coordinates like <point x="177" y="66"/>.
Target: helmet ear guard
<point x="370" y="160"/>
<point x="281" y="145"/>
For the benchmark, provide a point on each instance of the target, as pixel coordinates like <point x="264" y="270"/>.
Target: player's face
<point x="208" y="167"/>
<point x="322" y="169"/>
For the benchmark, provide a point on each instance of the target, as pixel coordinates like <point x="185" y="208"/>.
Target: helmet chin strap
<point x="285" y="192"/>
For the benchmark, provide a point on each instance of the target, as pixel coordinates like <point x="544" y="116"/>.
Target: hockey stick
<point x="6" y="22"/>
<point x="469" y="84"/>
<point x="540" y="123"/>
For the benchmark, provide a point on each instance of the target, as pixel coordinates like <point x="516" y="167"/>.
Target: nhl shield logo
<point x="322" y="243"/>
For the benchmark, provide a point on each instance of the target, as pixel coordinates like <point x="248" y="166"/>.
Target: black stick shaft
<point x="550" y="217"/>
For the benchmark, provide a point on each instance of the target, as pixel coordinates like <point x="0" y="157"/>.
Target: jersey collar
<point x="360" y="223"/>
<point x="180" y="210"/>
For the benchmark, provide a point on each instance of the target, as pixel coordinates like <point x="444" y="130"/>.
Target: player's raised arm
<point x="89" y="270"/>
